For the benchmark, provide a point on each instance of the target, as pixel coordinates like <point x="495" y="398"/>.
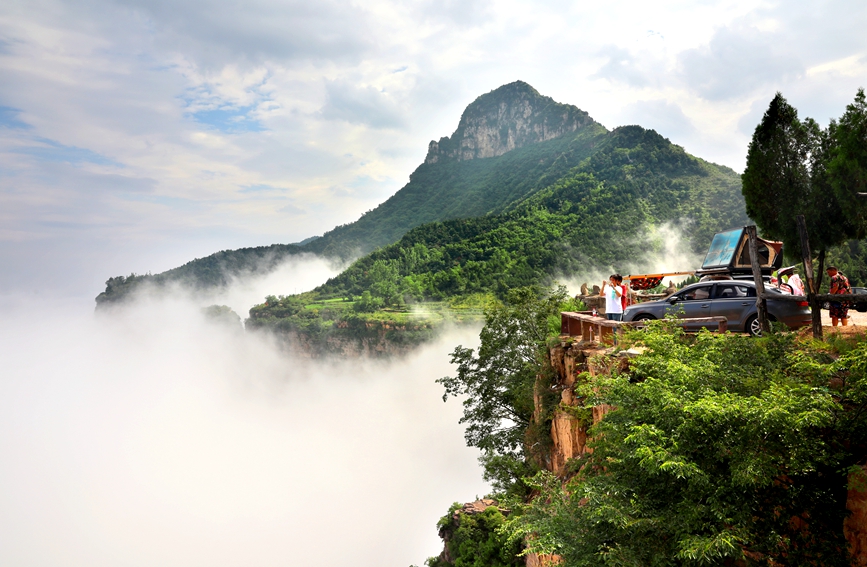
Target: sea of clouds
<point x="152" y="435"/>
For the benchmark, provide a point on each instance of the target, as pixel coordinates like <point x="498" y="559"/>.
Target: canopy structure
<point x="729" y="253"/>
<point x="650" y="281"/>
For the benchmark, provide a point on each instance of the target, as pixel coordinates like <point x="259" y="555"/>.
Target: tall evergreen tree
<point x="847" y="167"/>
<point x="776" y="177"/>
<point x="787" y="175"/>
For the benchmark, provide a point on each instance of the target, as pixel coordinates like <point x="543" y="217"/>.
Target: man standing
<point x="839" y="284"/>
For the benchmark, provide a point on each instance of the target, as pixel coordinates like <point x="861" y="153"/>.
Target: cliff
<point x="505" y="119"/>
<point x="838" y="517"/>
<point x="569" y="435"/>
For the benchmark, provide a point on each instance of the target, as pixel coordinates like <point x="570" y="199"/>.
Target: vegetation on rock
<point x="718" y="448"/>
<point x="476" y="540"/>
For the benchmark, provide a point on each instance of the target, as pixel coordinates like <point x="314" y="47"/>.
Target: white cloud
<point x="153" y="437"/>
<point x="738" y="62"/>
<point x="169" y="111"/>
<point x="361" y="105"/>
<point x="665" y="117"/>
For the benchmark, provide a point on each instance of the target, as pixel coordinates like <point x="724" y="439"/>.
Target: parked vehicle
<point x="733" y="299"/>
<point x="861" y="306"/>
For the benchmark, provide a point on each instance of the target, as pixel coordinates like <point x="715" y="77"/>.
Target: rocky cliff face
<point x="510" y="117"/>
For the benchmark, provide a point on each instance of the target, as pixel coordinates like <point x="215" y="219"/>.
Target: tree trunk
<point x="761" y="303"/>
<point x="812" y="286"/>
<point x="821" y="273"/>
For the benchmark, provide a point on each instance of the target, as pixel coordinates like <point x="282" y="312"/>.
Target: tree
<point x="786" y="176"/>
<point x="777" y="179"/>
<point x="847" y="167"/>
<point x="497" y="381"/>
<point x="385" y="281"/>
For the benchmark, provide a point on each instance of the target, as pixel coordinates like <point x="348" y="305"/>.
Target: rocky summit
<point x="507" y="118"/>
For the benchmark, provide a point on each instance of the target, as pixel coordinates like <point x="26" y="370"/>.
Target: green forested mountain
<point x="211" y="271"/>
<point x="593" y="217"/>
<point x="525" y="190"/>
<point x="509" y="143"/>
<point x="596" y="216"/>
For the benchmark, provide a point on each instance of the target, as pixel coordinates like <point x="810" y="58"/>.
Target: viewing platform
<point x="599" y="329"/>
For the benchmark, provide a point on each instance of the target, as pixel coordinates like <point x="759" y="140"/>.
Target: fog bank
<point x="156" y="437"/>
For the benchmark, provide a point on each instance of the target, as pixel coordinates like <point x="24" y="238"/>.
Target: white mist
<point x="155" y="437"/>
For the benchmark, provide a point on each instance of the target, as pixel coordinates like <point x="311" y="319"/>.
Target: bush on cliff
<point x="721" y="449"/>
<point x="497" y="383"/>
<point x="476" y="540"/>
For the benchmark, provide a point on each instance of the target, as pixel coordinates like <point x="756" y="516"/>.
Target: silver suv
<point x="733" y="299"/>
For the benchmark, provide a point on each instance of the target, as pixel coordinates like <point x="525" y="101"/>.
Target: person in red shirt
<point x="839" y="284"/>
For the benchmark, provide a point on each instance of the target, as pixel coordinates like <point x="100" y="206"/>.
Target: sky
<point x="136" y="135"/>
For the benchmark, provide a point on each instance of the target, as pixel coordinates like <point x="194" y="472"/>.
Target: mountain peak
<point x="507" y="118"/>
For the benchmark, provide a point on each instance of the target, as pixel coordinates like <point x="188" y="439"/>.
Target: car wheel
<point x="861" y="307"/>
<point x="645" y="317"/>
<point x="753" y="327"/>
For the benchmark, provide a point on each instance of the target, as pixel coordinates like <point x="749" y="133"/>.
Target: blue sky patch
<point x="9" y="118"/>
<point x="49" y="150"/>
<point x="230" y="120"/>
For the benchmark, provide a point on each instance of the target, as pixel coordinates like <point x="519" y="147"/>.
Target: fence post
<point x="761" y="302"/>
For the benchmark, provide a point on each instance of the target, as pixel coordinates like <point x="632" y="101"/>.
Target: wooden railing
<point x="599" y="329"/>
<point x="820" y="297"/>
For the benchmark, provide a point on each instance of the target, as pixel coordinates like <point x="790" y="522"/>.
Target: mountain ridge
<point x="469" y="181"/>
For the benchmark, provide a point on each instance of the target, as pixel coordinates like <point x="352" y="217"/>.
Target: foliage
<point x="851" y="259"/>
<point x="367" y="303"/>
<point x="476" y="540"/>
<point x="720" y="448"/>
<point x="322" y="325"/>
<point x="222" y="314"/>
<point x="847" y="167"/>
<point x="497" y="381"/>
<point x="794" y="167"/>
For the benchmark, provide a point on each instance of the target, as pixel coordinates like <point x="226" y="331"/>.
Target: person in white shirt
<point x="612" y="291"/>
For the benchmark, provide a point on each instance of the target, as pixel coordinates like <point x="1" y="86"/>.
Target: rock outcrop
<point x="510" y="117"/>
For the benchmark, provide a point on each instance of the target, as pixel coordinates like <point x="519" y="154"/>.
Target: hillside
<point x="668" y="449"/>
<point x="509" y="143"/>
<point x="596" y="217"/>
<point x="212" y="271"/>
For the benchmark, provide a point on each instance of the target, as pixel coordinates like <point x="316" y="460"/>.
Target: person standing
<point x="612" y="292"/>
<point x="839" y="284"/>
<point x="796" y="284"/>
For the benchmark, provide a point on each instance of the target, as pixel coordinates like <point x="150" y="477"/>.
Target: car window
<point x="696" y="293"/>
<point x="729" y="291"/>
